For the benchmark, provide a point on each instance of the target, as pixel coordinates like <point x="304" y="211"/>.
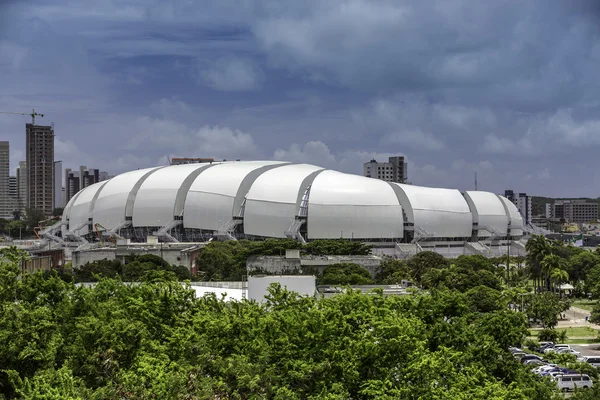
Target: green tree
<point x="558" y="276"/>
<point x="485" y="299"/>
<point x="537" y="248"/>
<point x="580" y="265"/>
<point x="33" y="216"/>
<point x="392" y="271"/>
<point x="345" y="274"/>
<point x="425" y="261"/>
<point x="549" y="263"/>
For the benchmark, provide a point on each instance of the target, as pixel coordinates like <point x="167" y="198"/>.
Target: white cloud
<point x="231" y="74"/>
<point x="170" y="137"/>
<point x="315" y="152"/>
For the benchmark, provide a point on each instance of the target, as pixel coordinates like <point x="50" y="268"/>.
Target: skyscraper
<point x="40" y="167"/>
<point x="58" y="184"/>
<point x="71" y="184"/>
<point x="5" y="204"/>
<point x="22" y="185"/>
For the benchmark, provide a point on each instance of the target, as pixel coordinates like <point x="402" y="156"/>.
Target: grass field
<point x="583" y="332"/>
<point x="587" y="305"/>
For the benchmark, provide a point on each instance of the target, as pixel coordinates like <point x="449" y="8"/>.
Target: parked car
<point x="530" y="357"/>
<point x="544" y="345"/>
<point x="515" y="350"/>
<point x="568" y="382"/>
<point x="534" y="361"/>
<point x="543" y="368"/>
<point x="568" y="351"/>
<point x="593" y="360"/>
<point x="518" y="355"/>
<point x="556" y="347"/>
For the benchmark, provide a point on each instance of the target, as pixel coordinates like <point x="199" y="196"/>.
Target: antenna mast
<point x="475" y="180"/>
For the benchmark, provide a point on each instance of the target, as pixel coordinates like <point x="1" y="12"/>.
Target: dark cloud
<point x="505" y="88"/>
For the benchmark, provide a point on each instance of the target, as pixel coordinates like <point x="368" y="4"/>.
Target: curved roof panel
<point x="272" y="201"/>
<point x="66" y="214"/>
<point x="155" y="200"/>
<point x="81" y="209"/>
<point x="211" y="199"/>
<point x="112" y="203"/>
<point x="516" y="220"/>
<point x="351" y="206"/>
<point x="488" y="212"/>
<point x="442" y="213"/>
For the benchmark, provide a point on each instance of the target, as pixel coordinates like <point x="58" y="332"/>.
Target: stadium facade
<point x="271" y="199"/>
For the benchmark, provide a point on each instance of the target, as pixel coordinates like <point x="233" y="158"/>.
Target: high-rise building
<point x="22" y="185"/>
<point x="523" y="203"/>
<point x="40" y="167"/>
<point x="5" y="204"/>
<point x="58" y="184"/>
<point x="12" y="187"/>
<point x="103" y="176"/>
<point x="82" y="168"/>
<point x="395" y="170"/>
<point x="71" y="184"/>
<point x="88" y="177"/>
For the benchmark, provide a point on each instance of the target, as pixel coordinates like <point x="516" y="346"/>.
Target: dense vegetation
<point x="134" y="270"/>
<point x="156" y="340"/>
<point x="227" y="260"/>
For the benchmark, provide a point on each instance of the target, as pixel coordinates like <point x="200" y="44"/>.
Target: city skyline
<point x="503" y="90"/>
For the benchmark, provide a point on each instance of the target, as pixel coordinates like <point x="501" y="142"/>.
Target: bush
<point x="346" y="274"/>
<point x="532" y="345"/>
<point x="549" y="335"/>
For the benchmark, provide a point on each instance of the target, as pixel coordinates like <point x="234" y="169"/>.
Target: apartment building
<point x="5" y="204"/>
<point x="523" y="203"/>
<point x="578" y="211"/>
<point x="40" y="167"/>
<point x="395" y="170"/>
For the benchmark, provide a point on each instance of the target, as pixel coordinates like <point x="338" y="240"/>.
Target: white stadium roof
<point x="274" y="199"/>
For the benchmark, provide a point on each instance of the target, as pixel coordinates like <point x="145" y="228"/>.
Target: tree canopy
<point x="157" y="340"/>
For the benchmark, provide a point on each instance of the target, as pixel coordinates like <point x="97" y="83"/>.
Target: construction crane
<point x="33" y="114"/>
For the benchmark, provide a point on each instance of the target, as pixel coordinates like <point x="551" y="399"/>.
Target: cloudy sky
<point x="509" y="89"/>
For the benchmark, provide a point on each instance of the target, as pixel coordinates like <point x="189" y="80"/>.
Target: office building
<point x="82" y="168"/>
<point x="523" y="203"/>
<point x="5" y="205"/>
<point x="577" y="211"/>
<point x="188" y="160"/>
<point x="40" y="167"/>
<point x="71" y="184"/>
<point x="395" y="170"/>
<point x="88" y="177"/>
<point x="58" y="184"/>
<point x="12" y="187"/>
<point x="22" y="185"/>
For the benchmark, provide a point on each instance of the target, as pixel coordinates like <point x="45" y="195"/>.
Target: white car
<point x="568" y="382"/>
<point x="556" y="348"/>
<point x="543" y="368"/>
<point x="592" y="360"/>
<point x="569" y="351"/>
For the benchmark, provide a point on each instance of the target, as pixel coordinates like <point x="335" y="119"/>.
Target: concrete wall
<point x="258" y="285"/>
<point x="173" y="255"/>
<point x="308" y="265"/>
<point x="79" y="258"/>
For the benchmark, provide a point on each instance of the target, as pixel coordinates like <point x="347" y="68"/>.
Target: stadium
<point x="272" y="199"/>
